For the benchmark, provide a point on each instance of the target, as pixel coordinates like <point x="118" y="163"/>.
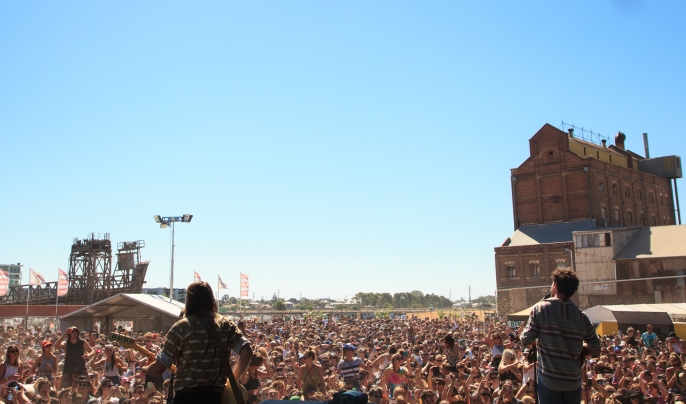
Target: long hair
<point x="7" y="356"/>
<point x="110" y="360"/>
<point x="449" y="341"/>
<point x="200" y="299"/>
<point x="509" y="358"/>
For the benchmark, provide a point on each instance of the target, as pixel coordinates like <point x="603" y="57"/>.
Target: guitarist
<point x="199" y="373"/>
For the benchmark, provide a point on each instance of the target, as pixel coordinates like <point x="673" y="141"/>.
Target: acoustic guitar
<point x="128" y="342"/>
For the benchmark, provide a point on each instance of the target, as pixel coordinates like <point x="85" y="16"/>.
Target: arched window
<point x="627" y="193"/>
<point x="602" y="212"/>
<point x="652" y="219"/>
<point x="651" y="199"/>
<point x="600" y="186"/>
<point x="614" y="189"/>
<point x="630" y="217"/>
<point x="639" y="195"/>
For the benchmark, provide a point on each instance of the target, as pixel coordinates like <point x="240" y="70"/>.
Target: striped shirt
<point x="350" y="370"/>
<point x="561" y="328"/>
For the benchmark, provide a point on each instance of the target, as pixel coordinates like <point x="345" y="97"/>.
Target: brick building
<point x="570" y="185"/>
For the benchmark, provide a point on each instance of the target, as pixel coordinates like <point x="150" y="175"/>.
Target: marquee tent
<point x="145" y="312"/>
<point x="611" y="318"/>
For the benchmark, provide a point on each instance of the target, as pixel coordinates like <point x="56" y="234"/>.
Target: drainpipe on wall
<point x="571" y="256"/>
<point x="513" y="181"/>
<point x="588" y="182"/>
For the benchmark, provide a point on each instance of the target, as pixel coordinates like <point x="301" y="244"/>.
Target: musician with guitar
<point x="194" y="344"/>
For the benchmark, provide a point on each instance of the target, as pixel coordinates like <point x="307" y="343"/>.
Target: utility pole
<point x="470" y="295"/>
<point x="450" y="295"/>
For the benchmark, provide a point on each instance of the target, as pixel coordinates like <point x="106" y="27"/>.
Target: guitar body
<point x="228" y="396"/>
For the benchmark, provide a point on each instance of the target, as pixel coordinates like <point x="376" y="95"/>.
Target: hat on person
<point x="46" y="343"/>
<point x="634" y="393"/>
<point x="124" y="380"/>
<point x="295" y="398"/>
<point x="672" y="335"/>
<point x="349" y="346"/>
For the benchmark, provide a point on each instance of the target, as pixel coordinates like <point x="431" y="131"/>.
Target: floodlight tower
<point x="164" y="222"/>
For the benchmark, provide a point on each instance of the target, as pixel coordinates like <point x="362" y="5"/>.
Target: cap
<point x="295" y="398"/>
<point x="634" y="393"/>
<point x="46" y="343"/>
<point x="349" y="346"/>
<point x="672" y="335"/>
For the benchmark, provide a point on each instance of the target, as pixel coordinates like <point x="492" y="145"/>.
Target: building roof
<point x="609" y="149"/>
<point x="656" y="242"/>
<point x="547" y="233"/>
<point x="130" y="305"/>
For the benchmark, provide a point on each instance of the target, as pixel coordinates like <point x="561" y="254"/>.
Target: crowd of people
<point x="393" y="360"/>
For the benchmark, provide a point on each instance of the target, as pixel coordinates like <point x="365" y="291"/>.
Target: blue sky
<point x="324" y="148"/>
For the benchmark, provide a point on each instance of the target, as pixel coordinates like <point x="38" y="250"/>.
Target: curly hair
<point x="566" y="280"/>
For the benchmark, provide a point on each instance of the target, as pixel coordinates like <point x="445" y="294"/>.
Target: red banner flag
<point x="62" y="283"/>
<point x="244" y="285"/>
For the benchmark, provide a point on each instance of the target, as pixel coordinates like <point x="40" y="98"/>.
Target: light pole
<point x="164" y="222"/>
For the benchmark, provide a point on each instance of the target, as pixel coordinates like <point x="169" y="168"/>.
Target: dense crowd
<point x="400" y="360"/>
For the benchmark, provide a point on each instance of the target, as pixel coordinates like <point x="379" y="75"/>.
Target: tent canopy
<point x="148" y="312"/>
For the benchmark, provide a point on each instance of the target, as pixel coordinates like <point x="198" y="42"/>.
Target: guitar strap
<point x="212" y="329"/>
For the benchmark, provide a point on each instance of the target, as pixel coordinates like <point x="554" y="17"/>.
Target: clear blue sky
<point x="324" y="147"/>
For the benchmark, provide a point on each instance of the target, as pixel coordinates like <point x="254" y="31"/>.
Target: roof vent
<point x="604" y="143"/>
<point x="619" y="140"/>
<point x="571" y="132"/>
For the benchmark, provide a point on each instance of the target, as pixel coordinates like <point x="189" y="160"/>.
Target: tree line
<point x="414" y="299"/>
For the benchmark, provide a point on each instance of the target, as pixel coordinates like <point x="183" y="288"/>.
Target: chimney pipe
<point x="645" y="145"/>
<point x="604" y="143"/>
<point x="571" y="132"/>
<point x="619" y="140"/>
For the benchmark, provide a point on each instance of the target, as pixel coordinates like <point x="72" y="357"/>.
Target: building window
<point x="652" y="219"/>
<point x="644" y="219"/>
<point x="614" y="189"/>
<point x="535" y="270"/>
<point x="584" y="151"/>
<point x="639" y="195"/>
<point x="587" y="240"/>
<point x="597" y="153"/>
<point x="561" y="264"/>
<point x="630" y="217"/>
<point x="608" y="240"/>
<point x="627" y="193"/>
<point x="600" y="186"/>
<point x="602" y="213"/>
<point x="610" y="158"/>
<point x="510" y="271"/>
<point x="650" y="197"/>
<point x="617" y="215"/>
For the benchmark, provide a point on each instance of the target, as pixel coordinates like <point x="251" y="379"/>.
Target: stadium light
<point x="164" y="222"/>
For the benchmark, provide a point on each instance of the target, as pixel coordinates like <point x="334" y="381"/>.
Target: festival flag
<point x="197" y="277"/>
<point x="4" y="282"/>
<point x="244" y="285"/>
<point x="36" y="278"/>
<point x="62" y="283"/>
<point x="221" y="284"/>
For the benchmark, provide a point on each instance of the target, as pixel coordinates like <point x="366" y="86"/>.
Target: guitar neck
<point x="150" y="354"/>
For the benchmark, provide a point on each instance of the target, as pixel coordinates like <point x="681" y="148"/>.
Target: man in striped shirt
<point x="564" y="336"/>
<point x="349" y="367"/>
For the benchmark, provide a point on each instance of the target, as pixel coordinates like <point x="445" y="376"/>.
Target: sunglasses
<point x="84" y="384"/>
<point x="14" y="351"/>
